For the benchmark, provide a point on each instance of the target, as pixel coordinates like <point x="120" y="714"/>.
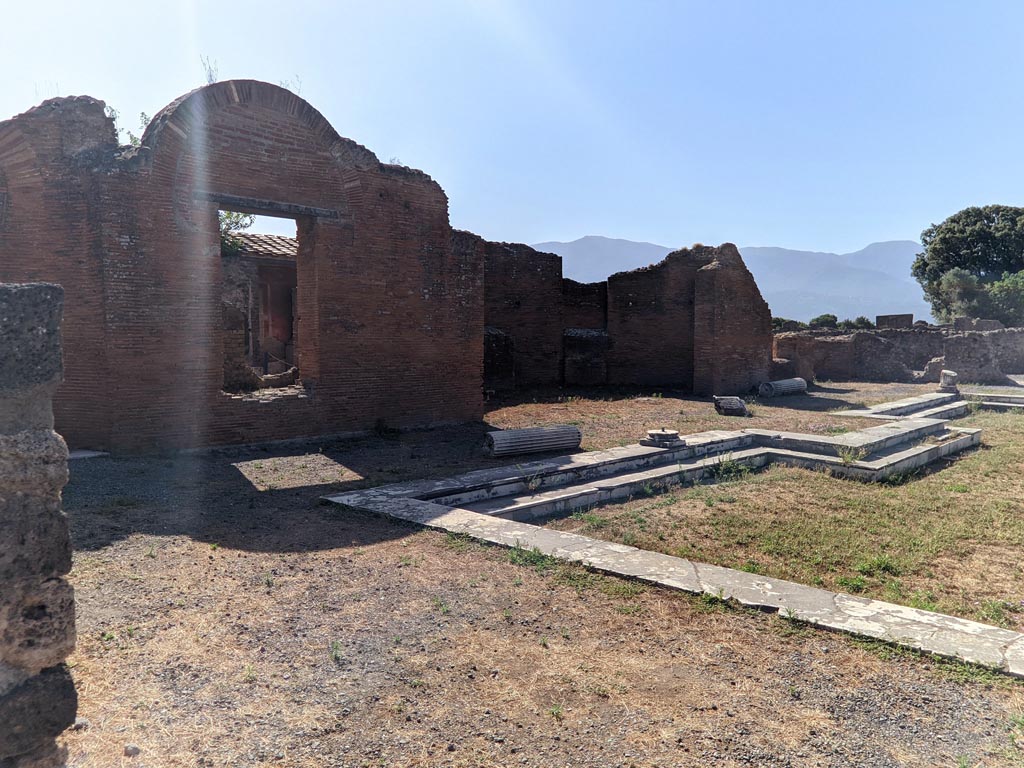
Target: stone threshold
<point x="925" y="631"/>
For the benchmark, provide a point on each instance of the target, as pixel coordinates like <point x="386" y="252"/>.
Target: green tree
<point x="824" y="321"/>
<point x="1006" y="299"/>
<point x="232" y="222"/>
<point x="985" y="242"/>
<point x="778" y="323"/>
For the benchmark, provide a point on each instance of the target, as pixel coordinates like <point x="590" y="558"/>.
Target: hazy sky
<point x="813" y="125"/>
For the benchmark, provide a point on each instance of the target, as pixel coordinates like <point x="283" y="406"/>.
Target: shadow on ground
<point x="261" y="498"/>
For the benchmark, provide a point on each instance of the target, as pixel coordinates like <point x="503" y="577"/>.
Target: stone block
<point x="33" y="462"/>
<point x="30" y="316"/>
<point x="895" y="321"/>
<point x="32" y="714"/>
<point x="35" y="535"/>
<point x="37" y="623"/>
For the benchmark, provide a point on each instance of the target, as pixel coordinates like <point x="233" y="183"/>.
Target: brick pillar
<point x="37" y="608"/>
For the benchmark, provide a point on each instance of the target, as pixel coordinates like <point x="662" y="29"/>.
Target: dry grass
<point x="947" y="541"/>
<point x="226" y="618"/>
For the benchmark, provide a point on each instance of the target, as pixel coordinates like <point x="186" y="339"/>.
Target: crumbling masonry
<point x="383" y="315"/>
<point x="37" y="610"/>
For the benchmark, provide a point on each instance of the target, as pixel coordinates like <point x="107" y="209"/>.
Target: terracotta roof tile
<point x="258" y="245"/>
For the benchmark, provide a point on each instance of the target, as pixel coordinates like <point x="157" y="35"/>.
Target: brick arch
<point x="181" y="115"/>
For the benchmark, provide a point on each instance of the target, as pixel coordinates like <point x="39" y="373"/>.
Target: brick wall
<point x="732" y="325"/>
<point x="650" y="322"/>
<point x="37" y="609"/>
<point x="523" y="298"/>
<point x="584" y="305"/>
<point x="390" y="317"/>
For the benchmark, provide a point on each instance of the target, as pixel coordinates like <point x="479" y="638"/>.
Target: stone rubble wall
<point x="37" y="608"/>
<point x="918" y="354"/>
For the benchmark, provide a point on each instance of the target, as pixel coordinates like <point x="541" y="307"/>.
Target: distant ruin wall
<point x="894" y="321"/>
<point x="639" y="328"/>
<point x="732" y="327"/>
<point x="980" y="357"/>
<point x="37" y="609"/>
<point x="1008" y="345"/>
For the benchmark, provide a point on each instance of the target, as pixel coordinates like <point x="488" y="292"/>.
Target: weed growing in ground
<point x="623" y="588"/>
<point x="711" y="603"/>
<point x="557" y="712"/>
<point x="336" y="653"/>
<point x="923" y="600"/>
<point x="577" y="577"/>
<point x="590" y="520"/>
<point x="997" y="612"/>
<point x="534" y="558"/>
<point x="850" y="455"/>
<point x="249" y="674"/>
<point x="727" y="469"/>
<point x="440" y="605"/>
<point x="900" y="478"/>
<point x="459" y="542"/>
<point x="855" y="584"/>
<point x="879" y="564"/>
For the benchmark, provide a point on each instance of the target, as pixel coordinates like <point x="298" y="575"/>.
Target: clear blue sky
<point x="813" y="125"/>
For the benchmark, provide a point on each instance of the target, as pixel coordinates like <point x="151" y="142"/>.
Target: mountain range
<point x="798" y="285"/>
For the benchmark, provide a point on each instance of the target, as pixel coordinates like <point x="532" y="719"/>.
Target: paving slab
<point x="926" y="631"/>
<point x="601" y="476"/>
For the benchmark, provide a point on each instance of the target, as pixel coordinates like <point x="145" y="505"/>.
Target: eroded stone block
<point x="37" y="623"/>
<point x="34" y="713"/>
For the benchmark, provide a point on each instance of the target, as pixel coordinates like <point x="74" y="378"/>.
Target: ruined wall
<point x="585" y="360"/>
<point x="584" y="305"/>
<point x="732" y="327"/>
<point x="50" y="230"/>
<point x="973" y="357"/>
<point x="523" y="298"/>
<point x="1008" y="346"/>
<point x="650" y="322"/>
<point x="390" y="317"/>
<point x="37" y="611"/>
<point x="696" y="321"/>
<point x="895" y="321"/>
<point x="904" y="355"/>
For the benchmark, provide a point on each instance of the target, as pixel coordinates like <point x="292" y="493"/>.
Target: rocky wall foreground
<point x="37" y="608"/>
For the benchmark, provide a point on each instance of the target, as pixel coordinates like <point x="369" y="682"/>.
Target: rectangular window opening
<point x="259" y="302"/>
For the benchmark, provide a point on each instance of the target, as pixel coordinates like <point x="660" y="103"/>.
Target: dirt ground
<point x="228" y="618"/>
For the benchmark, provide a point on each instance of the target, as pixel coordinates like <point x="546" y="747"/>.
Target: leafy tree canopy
<point x="824" y="321"/>
<point x="984" y="242"/>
